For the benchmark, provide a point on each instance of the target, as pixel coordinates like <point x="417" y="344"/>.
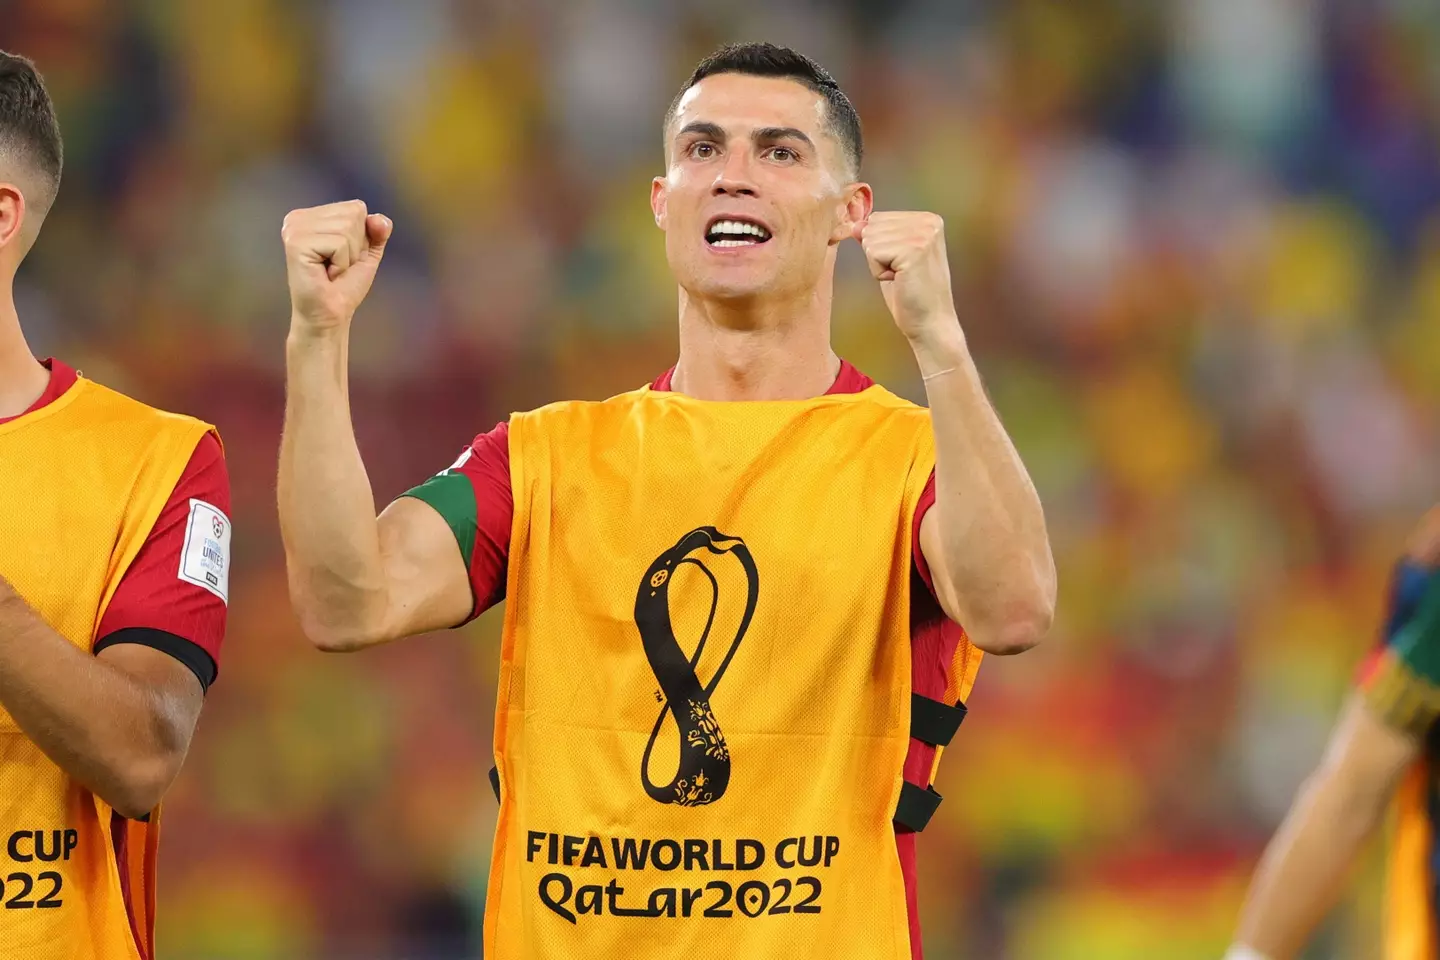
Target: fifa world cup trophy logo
<point x="704" y="768"/>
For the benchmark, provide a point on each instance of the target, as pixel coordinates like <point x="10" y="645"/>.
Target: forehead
<point x="741" y="103"/>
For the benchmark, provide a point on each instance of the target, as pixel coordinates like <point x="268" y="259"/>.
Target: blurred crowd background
<point x="1196" y="253"/>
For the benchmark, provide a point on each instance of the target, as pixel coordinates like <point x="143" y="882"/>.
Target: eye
<point x="783" y="154"/>
<point x="702" y="151"/>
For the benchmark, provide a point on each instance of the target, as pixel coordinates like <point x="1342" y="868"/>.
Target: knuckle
<point x="296" y="222"/>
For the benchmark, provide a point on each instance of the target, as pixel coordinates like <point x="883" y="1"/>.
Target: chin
<point x="731" y="285"/>
<point x="729" y="290"/>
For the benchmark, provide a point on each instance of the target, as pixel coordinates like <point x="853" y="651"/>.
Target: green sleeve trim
<point x="453" y="497"/>
<point x="1418" y="641"/>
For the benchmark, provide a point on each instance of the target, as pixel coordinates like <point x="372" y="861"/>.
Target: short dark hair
<point x="768" y="60"/>
<point x="29" y="131"/>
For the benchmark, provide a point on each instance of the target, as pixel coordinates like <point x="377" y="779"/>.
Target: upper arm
<point x="173" y="601"/>
<point x="1401" y="681"/>
<point x="427" y="585"/>
<point x="1388" y="722"/>
<point x="991" y="624"/>
<point x="931" y="563"/>
<point x="1366" y="758"/>
<point x="176" y="693"/>
<point x="446" y="542"/>
<point x="930" y="560"/>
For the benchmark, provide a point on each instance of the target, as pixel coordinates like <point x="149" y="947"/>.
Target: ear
<point x="659" y="195"/>
<point x="12" y="215"/>
<point x="859" y="201"/>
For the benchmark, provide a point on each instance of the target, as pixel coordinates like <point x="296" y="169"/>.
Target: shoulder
<point x="881" y="398"/>
<point x="114" y="409"/>
<point x="206" y="476"/>
<point x="587" y="411"/>
<point x="877" y="411"/>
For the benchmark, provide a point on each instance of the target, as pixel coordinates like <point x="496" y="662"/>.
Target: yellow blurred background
<point x="1196" y="252"/>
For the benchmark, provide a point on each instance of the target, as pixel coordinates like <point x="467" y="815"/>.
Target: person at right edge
<point x="1382" y="755"/>
<point x="731" y="650"/>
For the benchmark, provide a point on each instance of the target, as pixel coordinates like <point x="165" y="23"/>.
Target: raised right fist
<point x="331" y="255"/>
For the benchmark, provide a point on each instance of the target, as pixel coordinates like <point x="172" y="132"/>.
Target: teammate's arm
<point x="1379" y="736"/>
<point x="1305" y="865"/>
<point x="984" y="540"/>
<point x="355" y="579"/>
<point x="119" y="723"/>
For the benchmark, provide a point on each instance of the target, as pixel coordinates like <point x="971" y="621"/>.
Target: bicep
<point x="933" y="559"/>
<point x="426" y="577"/>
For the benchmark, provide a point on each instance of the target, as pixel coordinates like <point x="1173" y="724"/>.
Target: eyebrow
<point x="714" y="131"/>
<point x="771" y="134"/>
<point x="703" y="128"/>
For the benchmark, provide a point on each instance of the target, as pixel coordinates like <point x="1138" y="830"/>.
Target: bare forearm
<point x="102" y="726"/>
<point x="990" y="523"/>
<point x="1304" y="867"/>
<point x="327" y="508"/>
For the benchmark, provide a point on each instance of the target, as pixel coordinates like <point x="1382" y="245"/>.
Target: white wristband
<point x="1241" y="952"/>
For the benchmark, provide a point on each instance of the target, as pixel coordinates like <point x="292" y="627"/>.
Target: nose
<point x="734" y="179"/>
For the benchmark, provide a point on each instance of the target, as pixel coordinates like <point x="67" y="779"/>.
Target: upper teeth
<point x="737" y="228"/>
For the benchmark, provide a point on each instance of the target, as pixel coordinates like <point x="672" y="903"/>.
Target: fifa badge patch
<point x="205" y="560"/>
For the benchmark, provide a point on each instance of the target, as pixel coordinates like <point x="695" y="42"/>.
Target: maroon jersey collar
<point x="62" y="378"/>
<point x="848" y="380"/>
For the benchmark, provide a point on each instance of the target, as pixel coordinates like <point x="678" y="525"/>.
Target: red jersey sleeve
<point x="488" y="471"/>
<point x="927" y="500"/>
<point x="153" y="597"/>
<point x="474" y="498"/>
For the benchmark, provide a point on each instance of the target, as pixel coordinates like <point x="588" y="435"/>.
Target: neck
<point x="778" y="351"/>
<point x="22" y="378"/>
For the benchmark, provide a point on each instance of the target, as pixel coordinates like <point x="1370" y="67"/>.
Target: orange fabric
<point x="142" y="852"/>
<point x="964" y="667"/>
<point x="1409" y="905"/>
<point x="706" y="657"/>
<point x="82" y="481"/>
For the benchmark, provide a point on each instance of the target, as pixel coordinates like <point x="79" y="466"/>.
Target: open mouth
<point x="736" y="233"/>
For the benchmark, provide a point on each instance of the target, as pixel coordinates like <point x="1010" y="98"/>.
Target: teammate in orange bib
<point x="719" y="707"/>
<point x="114" y="554"/>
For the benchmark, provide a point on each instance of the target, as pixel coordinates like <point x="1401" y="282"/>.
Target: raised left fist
<point x="906" y="253"/>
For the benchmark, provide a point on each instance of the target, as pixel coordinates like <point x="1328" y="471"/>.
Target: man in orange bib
<point x="731" y="651"/>
<point x="114" y="573"/>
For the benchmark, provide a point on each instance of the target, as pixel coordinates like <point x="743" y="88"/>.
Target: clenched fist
<point x="906" y="253"/>
<point x="331" y="255"/>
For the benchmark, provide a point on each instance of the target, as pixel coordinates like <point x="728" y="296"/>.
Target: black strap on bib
<point x="495" y="782"/>
<point x="934" y="722"/>
<point x="917" y="805"/>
